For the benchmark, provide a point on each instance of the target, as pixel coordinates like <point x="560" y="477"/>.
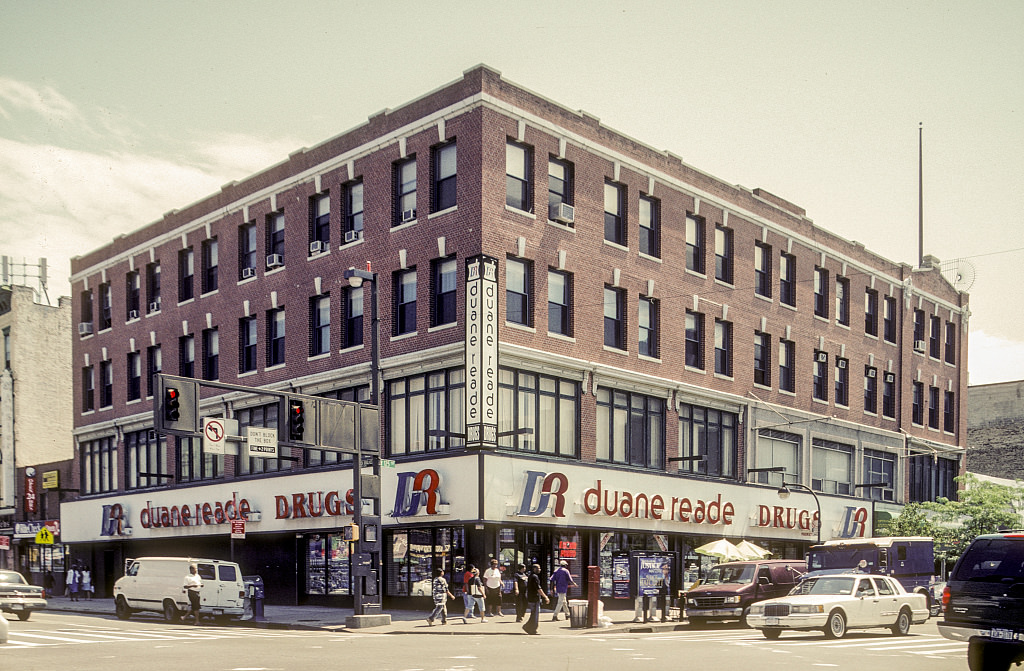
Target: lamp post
<point x="872" y="485"/>
<point x="784" y="494"/>
<point x="367" y="550"/>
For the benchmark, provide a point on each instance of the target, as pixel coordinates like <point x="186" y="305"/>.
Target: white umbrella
<point x="722" y="549"/>
<point x="751" y="551"/>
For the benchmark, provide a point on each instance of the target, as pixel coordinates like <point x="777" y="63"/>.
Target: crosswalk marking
<point x="71" y="636"/>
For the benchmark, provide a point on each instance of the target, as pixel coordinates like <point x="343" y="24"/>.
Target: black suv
<point x="983" y="601"/>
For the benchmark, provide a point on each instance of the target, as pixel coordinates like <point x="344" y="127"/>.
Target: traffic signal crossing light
<point x="172" y="404"/>
<point x="296" y="420"/>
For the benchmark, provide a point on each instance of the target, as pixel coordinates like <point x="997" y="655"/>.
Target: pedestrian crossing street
<point x="20" y="638"/>
<point x="927" y="645"/>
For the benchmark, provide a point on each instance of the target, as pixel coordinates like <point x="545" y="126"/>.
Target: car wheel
<point x="982" y="657"/>
<point x="836" y="625"/>
<point x="170" y="611"/>
<point x="24" y="615"/>
<point x="743" y="618"/>
<point x="902" y="625"/>
<point x="771" y="634"/>
<point x="121" y="609"/>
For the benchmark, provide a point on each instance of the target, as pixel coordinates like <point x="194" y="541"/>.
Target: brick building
<point x="660" y="332"/>
<point x="994" y="429"/>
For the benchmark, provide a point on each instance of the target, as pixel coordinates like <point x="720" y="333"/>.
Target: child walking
<point x="439" y="590"/>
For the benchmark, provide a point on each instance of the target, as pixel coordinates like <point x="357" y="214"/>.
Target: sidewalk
<point x="402" y="621"/>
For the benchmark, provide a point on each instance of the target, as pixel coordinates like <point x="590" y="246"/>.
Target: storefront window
<point x="708" y="434"/>
<point x="413" y="554"/>
<point x="327" y="564"/>
<point x="630" y="428"/>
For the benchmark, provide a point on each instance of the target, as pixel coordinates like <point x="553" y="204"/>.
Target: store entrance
<point x="525" y="546"/>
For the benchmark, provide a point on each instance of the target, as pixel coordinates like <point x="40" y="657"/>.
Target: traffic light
<point x="296" y="420"/>
<point x="172" y="404"/>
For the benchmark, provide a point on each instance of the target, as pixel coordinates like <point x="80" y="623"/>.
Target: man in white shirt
<point x="492" y="583"/>
<point x="193" y="583"/>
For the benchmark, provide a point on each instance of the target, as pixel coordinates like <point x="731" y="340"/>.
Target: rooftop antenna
<point x="14" y="273"/>
<point x="961" y="273"/>
<point x="920" y="196"/>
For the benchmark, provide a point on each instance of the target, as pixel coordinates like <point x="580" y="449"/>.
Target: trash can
<point x="254" y="595"/>
<point x="578" y="613"/>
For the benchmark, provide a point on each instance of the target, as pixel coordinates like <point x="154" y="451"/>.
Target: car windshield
<point x="992" y="560"/>
<point x="825" y="585"/>
<point x="12" y="577"/>
<point x="726" y="573"/>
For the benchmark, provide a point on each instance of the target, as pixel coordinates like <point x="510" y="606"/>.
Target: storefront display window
<point x="327" y="564"/>
<point x="413" y="554"/>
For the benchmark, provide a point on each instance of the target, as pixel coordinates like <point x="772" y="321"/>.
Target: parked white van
<point x="157" y="584"/>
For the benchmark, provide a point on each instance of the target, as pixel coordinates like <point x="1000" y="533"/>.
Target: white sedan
<point x="833" y="603"/>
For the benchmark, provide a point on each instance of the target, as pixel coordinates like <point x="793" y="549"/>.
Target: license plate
<point x="1002" y="634"/>
<point x="771" y="620"/>
<point x="17" y="606"/>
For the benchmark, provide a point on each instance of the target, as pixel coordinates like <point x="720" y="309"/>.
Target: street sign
<point x="387" y="463"/>
<point x="238" y="528"/>
<point x="51" y="479"/>
<point x="215" y="434"/>
<point x="44" y="537"/>
<point x="5" y="542"/>
<point x="261" y="443"/>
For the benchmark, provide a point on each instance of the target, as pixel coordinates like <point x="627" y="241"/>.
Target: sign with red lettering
<point x="238" y="528"/>
<point x="30" y="494"/>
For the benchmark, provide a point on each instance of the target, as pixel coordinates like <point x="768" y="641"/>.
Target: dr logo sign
<point x="418" y="493"/>
<point x="541" y="492"/>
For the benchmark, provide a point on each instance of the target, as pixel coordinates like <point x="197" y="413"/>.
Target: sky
<point x="113" y="113"/>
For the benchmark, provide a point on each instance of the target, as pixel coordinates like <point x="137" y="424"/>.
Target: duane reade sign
<point x="261" y="442"/>
<point x="481" y="351"/>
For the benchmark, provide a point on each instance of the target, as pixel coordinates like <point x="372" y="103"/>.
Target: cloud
<point x="43" y="101"/>
<point x="992" y="359"/>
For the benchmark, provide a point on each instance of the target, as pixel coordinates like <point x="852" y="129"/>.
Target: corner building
<point x="586" y="346"/>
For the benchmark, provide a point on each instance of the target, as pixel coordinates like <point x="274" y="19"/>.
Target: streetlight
<point x="784" y="494"/>
<point x="872" y="485"/>
<point x="367" y="550"/>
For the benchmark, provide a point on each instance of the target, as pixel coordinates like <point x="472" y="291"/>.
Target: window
<point x="247" y="251"/>
<point x="889" y="395"/>
<point x="353" y="203"/>
<point x="787" y="279"/>
<point x="186" y="275"/>
<point x="320" y="221"/>
<point x="444" y="164"/>
<point x="934" y="336"/>
<point x="820" y="379"/>
<point x="443" y="291"/>
<point x="98" y="464"/>
<point x="7" y="348"/>
<point x="723" y="348"/>
<point x="787" y="374"/>
<point x="152" y="287"/>
<point x="950" y="343"/>
<point x="210" y="264"/>
<point x="821" y="292"/>
<point x="537" y="413"/>
<point x="134" y="376"/>
<point x="870" y="389"/>
<point x="106" y="316"/>
<point x="871" y="312"/>
<point x="843" y="301"/>
<point x="831" y="467"/>
<point x="88" y="387"/>
<point x="919" y="330"/>
<point x="648" y="325"/>
<point x="106" y="384"/>
<point x="425" y="412"/>
<point x="353" y="317"/>
<point x="889" y="320"/>
<point x="762" y="359"/>
<point x="518" y="285"/>
<point x="559" y="302"/>
<point x="405" y="302"/>
<point x="559" y="190"/>
<point x="86" y="303"/>
<point x="949" y="413"/>
<point x="247" y="332"/>
<point x="842" y="382"/>
<point x="630" y="428"/>
<point x="707" y="441"/>
<point x="931" y="477"/>
<point x="933" y="407"/>
<point x="187" y="356"/>
<point x="275" y="337"/>
<point x="917" y="416"/>
<point x="275" y="240"/>
<point x="614" y="213"/>
<point x="695" y="243"/>
<point x="517" y="176"/>
<point x="132" y="290"/>
<point x="695" y="340"/>
<point x="145" y="460"/>
<point x="723" y="254"/>
<point x="405" y="191"/>
<point x="879" y="467"/>
<point x="762" y="270"/>
<point x="774" y="449"/>
<point x="203" y="466"/>
<point x="650" y="226"/>
<point x="614" y="318"/>
<point x="154" y="365"/>
<point x="319" y="325"/>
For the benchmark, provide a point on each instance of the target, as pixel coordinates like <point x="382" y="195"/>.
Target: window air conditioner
<point x="840" y="363"/>
<point x="317" y="246"/>
<point x="154" y="306"/>
<point x="890" y="377"/>
<point x="562" y="212"/>
<point x="84" y="328"/>
<point x="408" y="215"/>
<point x="274" y="260"/>
<point x="133" y="314"/>
<point x="919" y="346"/>
<point x="351" y="236"/>
<point x="872" y="372"/>
<point x="248" y="272"/>
<point x="821" y="356"/>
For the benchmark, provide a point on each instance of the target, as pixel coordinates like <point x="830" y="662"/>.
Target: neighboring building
<point x="36" y="442"/>
<point x="995" y="429"/>
<point x="659" y="333"/>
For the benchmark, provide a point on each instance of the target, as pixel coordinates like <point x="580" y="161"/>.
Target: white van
<point x="157" y="584"/>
